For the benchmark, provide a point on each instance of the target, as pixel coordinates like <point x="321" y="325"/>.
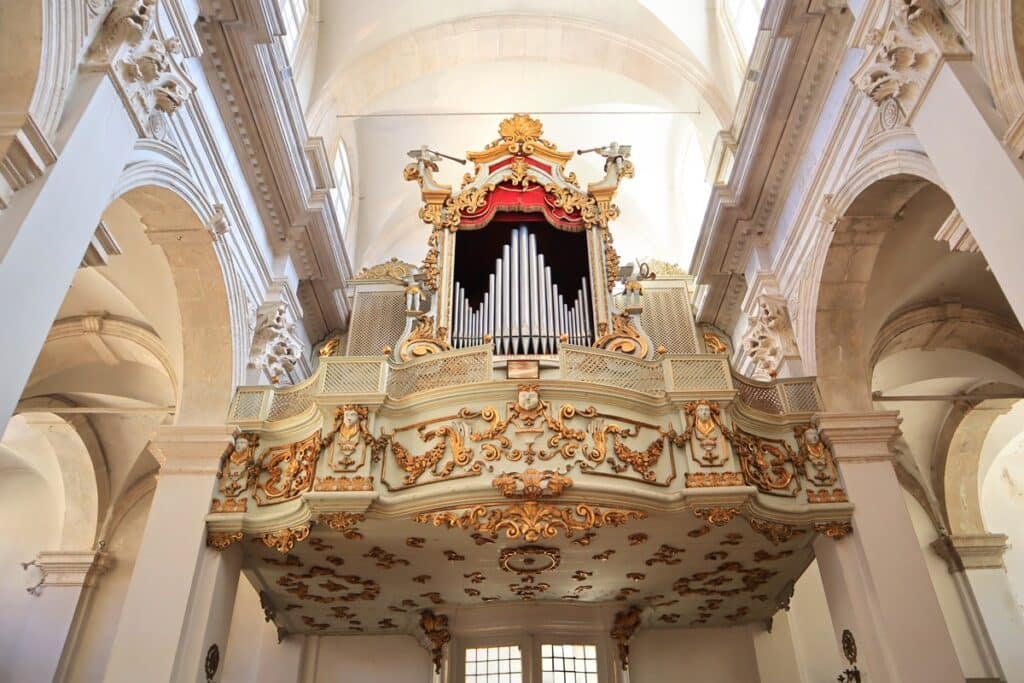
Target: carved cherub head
<point x="349" y="417"/>
<point x="528" y="398"/>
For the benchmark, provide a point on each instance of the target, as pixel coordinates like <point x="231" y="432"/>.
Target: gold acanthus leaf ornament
<point x="623" y="338"/>
<point x="435" y="629"/>
<point x="422" y="340"/>
<point x="532" y="484"/>
<point x="220" y="540"/>
<point x="394" y="269"/>
<point x="834" y="530"/>
<point x="284" y="540"/>
<point x="345" y="522"/>
<point x="718" y="516"/>
<point x="531" y="520"/>
<point x="625" y="625"/>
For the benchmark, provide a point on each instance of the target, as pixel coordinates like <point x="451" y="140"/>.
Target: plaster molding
<point x="28" y="154"/>
<point x="955" y="232"/>
<point x="187" y="449"/>
<point x="769" y="342"/>
<point x="971" y="551"/>
<point x="68" y="569"/>
<point x="861" y="437"/>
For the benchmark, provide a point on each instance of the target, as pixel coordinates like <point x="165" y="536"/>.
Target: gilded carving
<point x="286" y="472"/>
<point x="384" y="559"/>
<point x="284" y="540"/>
<point x="714" y="343"/>
<point x="422" y="340"/>
<point x="342" y="587"/>
<point x="666" y="554"/>
<point x="718" y="516"/>
<point x="344" y="484"/>
<point x="826" y="496"/>
<point x="530" y="520"/>
<point x="532" y="484"/>
<point x="446" y="438"/>
<point x="766" y="463"/>
<point x="350" y="438"/>
<point x="713" y="479"/>
<point x="625" y="625"/>
<point x="624" y="337"/>
<point x="229" y="505"/>
<point x="435" y="630"/>
<point x="642" y="462"/>
<point x="814" y="457"/>
<point x="237" y="472"/>
<point x="729" y="578"/>
<point x="393" y="269"/>
<point x="637" y="538"/>
<point x="704" y="433"/>
<point x="529" y="560"/>
<point x="220" y="540"/>
<point x="834" y="530"/>
<point x="775" y="532"/>
<point x="345" y="522"/>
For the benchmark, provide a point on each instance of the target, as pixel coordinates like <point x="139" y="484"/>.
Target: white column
<point x="282" y="662"/>
<point x="182" y="593"/>
<point x="875" y="579"/>
<point x="776" y="653"/>
<point x="65" y="577"/>
<point x="45" y="230"/>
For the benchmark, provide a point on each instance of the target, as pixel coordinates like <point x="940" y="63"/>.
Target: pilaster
<point x="181" y="593"/>
<point x="876" y="580"/>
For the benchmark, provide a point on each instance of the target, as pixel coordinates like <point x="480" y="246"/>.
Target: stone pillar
<point x="65" y="577"/>
<point x="775" y="651"/>
<point x="920" y="73"/>
<point x="875" y="578"/>
<point x="979" y="557"/>
<point x="182" y="593"/>
<point x="47" y="227"/>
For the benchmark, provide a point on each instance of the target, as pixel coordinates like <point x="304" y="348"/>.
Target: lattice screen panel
<point x="349" y="376"/>
<point x="801" y="397"/>
<point x="699" y="374"/>
<point x="377" y="321"/>
<point x="442" y="370"/>
<point x="767" y="398"/>
<point x="247" y="405"/>
<point x="291" y="403"/>
<point x="668" y="320"/>
<point x="615" y="370"/>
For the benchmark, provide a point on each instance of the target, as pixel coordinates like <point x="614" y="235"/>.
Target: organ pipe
<point x="522" y="310"/>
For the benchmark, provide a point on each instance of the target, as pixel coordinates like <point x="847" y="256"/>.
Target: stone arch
<point x="175" y="214"/>
<point x="997" y="32"/>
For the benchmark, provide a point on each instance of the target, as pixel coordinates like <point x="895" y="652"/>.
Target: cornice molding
<point x="190" y="449"/>
<point x="861" y="437"/>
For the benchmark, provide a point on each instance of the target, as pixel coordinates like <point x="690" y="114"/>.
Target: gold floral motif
<point x="624" y="337"/>
<point x="611" y="259"/>
<point x="714" y="343"/>
<point x="521" y="129"/>
<point x="604" y="555"/>
<point x="284" y="540"/>
<point x="422" y="340"/>
<point x="765" y="556"/>
<point x="666" y="554"/>
<point x="384" y="559"/>
<point x="532" y="484"/>
<point x="446" y="438"/>
<point x="775" y="532"/>
<point x="713" y="479"/>
<point x="345" y="522"/>
<point x="519" y="172"/>
<point x="715" y="582"/>
<point x="344" y="484"/>
<point x="643" y="462"/>
<point x="469" y="199"/>
<point x="637" y="539"/>
<point x="530" y="520"/>
<point x="286" y="472"/>
<point x="625" y="625"/>
<point x="826" y="496"/>
<point x="343" y="587"/>
<point x="229" y="505"/>
<point x="572" y="201"/>
<point x="393" y="269"/>
<point x="718" y="516"/>
<point x="766" y="463"/>
<point x="220" y="540"/>
<point x="435" y="629"/>
<point x="431" y="268"/>
<point x="834" y="530"/>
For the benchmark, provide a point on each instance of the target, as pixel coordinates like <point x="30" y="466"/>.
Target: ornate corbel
<point x="143" y="65"/>
<point x="904" y="55"/>
<point x="436" y="635"/>
<point x="625" y="625"/>
<point x="276" y="347"/>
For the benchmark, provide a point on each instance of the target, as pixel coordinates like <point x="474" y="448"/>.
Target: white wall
<point x="381" y="659"/>
<point x="817" y="653"/>
<point x="722" y="655"/>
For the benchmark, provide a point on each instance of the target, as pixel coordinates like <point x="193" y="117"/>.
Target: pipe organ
<point x="522" y="311"/>
<point x="521" y="257"/>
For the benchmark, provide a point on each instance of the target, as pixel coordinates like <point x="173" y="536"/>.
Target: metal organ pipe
<point x="522" y="309"/>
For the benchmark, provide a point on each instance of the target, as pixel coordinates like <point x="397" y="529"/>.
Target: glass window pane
<point x="569" y="663"/>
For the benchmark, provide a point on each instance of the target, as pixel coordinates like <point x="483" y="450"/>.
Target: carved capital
<point x="904" y="55"/>
<point x="143" y="65"/>
<point x="861" y="437"/>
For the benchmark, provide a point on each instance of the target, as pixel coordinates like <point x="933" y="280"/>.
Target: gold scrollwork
<point x="766" y="463"/>
<point x="344" y="484"/>
<point x="283" y="540"/>
<point x="713" y="479"/>
<point x="431" y="267"/>
<point x="238" y="471"/>
<point x="625" y="625"/>
<point x="286" y="472"/>
<point x="704" y="433"/>
<point x="714" y="343"/>
<point x="775" y="532"/>
<point x="532" y="484"/>
<point x="611" y="259"/>
<point x="393" y="269"/>
<point x="813" y="456"/>
<point x="643" y="462"/>
<point x="422" y="340"/>
<point x="350" y="436"/>
<point x="623" y="338"/>
<point x="529" y="560"/>
<point x="531" y="520"/>
<point x="345" y="522"/>
<point x="435" y="629"/>
<point x="447" y="439"/>
<point x="220" y="540"/>
<point x="834" y="530"/>
<point x="718" y="516"/>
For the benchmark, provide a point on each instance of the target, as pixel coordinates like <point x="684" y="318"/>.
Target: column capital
<point x="190" y="449"/>
<point x="971" y="551"/>
<point x="74" y="568"/>
<point x="861" y="437"/>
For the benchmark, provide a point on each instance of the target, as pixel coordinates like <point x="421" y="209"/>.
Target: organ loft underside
<point x="522" y="417"/>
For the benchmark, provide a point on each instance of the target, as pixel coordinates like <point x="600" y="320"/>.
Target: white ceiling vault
<point x="662" y="76"/>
